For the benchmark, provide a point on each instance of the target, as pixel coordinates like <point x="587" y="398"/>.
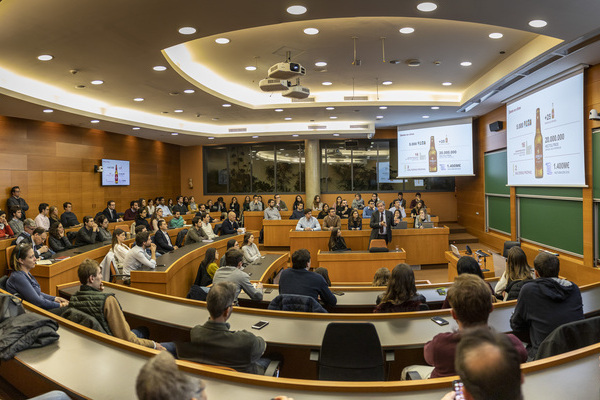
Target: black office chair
<point x="570" y="336"/>
<point x="509" y="245"/>
<point x="351" y="352"/>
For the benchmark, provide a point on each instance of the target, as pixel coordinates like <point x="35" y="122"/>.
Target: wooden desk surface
<point x="453" y="259"/>
<point x="357" y="266"/>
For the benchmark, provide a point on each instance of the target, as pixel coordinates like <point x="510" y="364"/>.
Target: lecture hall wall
<point x="54" y="163"/>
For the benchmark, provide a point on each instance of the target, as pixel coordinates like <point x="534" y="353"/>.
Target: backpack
<point x="10" y="306"/>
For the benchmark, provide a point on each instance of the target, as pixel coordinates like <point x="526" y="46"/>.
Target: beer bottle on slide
<point x="539" y="147"/>
<point x="432" y="156"/>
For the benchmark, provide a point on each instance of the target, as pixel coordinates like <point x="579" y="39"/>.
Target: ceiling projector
<point x="285" y="70"/>
<point x="273" y="85"/>
<point x="297" y="92"/>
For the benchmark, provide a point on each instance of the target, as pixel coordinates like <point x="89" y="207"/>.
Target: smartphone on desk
<point x="268" y="290"/>
<point x="440" y="321"/>
<point x="260" y="324"/>
<point x="337" y="293"/>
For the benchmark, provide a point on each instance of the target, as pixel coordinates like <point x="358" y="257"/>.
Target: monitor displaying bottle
<point x="115" y="173"/>
<point x="438" y="149"/>
<point x="544" y="136"/>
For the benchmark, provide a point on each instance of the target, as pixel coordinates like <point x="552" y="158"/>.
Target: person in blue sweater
<point x="23" y="284"/>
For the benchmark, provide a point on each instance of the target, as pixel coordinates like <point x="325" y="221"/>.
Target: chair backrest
<point x="132" y="228"/>
<point x="9" y="251"/>
<point x="106" y="265"/>
<point x="509" y="245"/>
<point x="570" y="336"/>
<point x="125" y="227"/>
<point x="377" y="243"/>
<point x="351" y="352"/>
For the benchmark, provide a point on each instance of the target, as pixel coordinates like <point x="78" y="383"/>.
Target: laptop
<point x="455" y="250"/>
<point x="401" y="225"/>
<point x="427" y="225"/>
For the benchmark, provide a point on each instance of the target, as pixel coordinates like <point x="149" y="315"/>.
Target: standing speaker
<point x="496" y="126"/>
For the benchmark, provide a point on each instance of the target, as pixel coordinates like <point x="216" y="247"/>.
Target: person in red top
<point x="5" y="229"/>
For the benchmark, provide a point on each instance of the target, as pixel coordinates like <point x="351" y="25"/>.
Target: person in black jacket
<point x="110" y="212"/>
<point x="336" y="241"/>
<point x="88" y="233"/>
<point x="182" y="208"/>
<point x="381" y="223"/>
<point x="58" y="241"/>
<point x="162" y="239"/>
<point x="141" y="219"/>
<point x="230" y="225"/>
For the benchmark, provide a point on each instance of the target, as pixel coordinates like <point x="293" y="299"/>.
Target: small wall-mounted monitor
<point x="115" y="173"/>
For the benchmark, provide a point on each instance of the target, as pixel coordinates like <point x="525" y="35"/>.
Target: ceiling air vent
<point x="307" y="100"/>
<point x="238" y="130"/>
<point x="317" y="127"/>
<point x="356" y="98"/>
<point x="359" y="126"/>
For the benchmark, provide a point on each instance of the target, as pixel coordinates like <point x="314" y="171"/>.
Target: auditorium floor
<point x="8" y="392"/>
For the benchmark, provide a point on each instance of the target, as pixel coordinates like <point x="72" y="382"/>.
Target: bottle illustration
<point x="539" y="147"/>
<point x="432" y="156"/>
<point x="552" y="110"/>
<point x="116" y="175"/>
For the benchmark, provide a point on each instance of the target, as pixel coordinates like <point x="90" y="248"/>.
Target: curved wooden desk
<point x="253" y="220"/>
<point x="453" y="259"/>
<point x="357" y="266"/>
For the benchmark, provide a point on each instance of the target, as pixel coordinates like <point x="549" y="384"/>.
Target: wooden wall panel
<point x="54" y="163"/>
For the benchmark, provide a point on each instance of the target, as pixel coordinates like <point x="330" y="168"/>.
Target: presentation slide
<point x="115" y="173"/>
<point x="435" y="150"/>
<point x="544" y="134"/>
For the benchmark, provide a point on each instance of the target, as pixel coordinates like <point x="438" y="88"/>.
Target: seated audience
<point x="230" y="225"/>
<point x="132" y="211"/>
<point x="358" y="203"/>
<point x="381" y="277"/>
<point x="119" y="248"/>
<point x="186" y="203"/>
<point x="280" y="204"/>
<point x="317" y="204"/>
<point x="355" y="221"/>
<point x="5" y="229"/>
<point x="151" y="207"/>
<point x="396" y="206"/>
<point x="298" y="212"/>
<point x="28" y="228"/>
<point x="402" y="200"/>
<point x="192" y="206"/>
<point x="217" y="345"/>
<point x="299" y="280"/>
<point x="180" y="206"/>
<point x="343" y="211"/>
<point x="396" y="222"/>
<point x="336" y="241"/>
<point x="308" y="222"/>
<point x="235" y="207"/>
<point x="40" y="249"/>
<point x="332" y="221"/>
<point x="422" y="218"/>
<point x="207" y="227"/>
<point x="158" y="215"/>
<point x="88" y="232"/>
<point x="256" y="205"/>
<point x="415" y="210"/>
<point x="22" y="283"/>
<point x="297" y="200"/>
<point x="195" y="234"/>
<point x="471" y="307"/>
<point x="68" y="218"/>
<point x="401" y="293"/>
<point x="110" y="212"/>
<point x="325" y="274"/>
<point x="416" y="200"/>
<point x="271" y="212"/>
<point x="57" y="240"/>
<point x="516" y="274"/>
<point x="53" y="216"/>
<point x="207" y="268"/>
<point x="231" y="243"/>
<point x="220" y="208"/>
<point x="170" y="205"/>
<point x="104" y="306"/>
<point x="246" y="204"/>
<point x="162" y="206"/>
<point x="138" y="257"/>
<point x="324" y="211"/>
<point x="15" y="221"/>
<point x="231" y="272"/>
<point x="42" y="220"/>
<point x="15" y="200"/>
<point x="468" y="265"/>
<point x="141" y="218"/>
<point x="545" y="303"/>
<point x="250" y="249"/>
<point x="368" y="210"/>
<point x="103" y="232"/>
<point x="162" y="238"/>
<point x="177" y="221"/>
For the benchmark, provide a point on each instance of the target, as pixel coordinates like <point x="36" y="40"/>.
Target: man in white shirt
<point x="137" y="256"/>
<point x="308" y="223"/>
<point x="396" y="205"/>
<point x="272" y="212"/>
<point x="207" y="227"/>
<point x="164" y="208"/>
<point x="42" y="220"/>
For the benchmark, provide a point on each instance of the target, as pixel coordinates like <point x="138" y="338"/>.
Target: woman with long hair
<point x="422" y="218"/>
<point x="246" y="205"/>
<point x="317" y="204"/>
<point x="151" y="208"/>
<point x="207" y="268"/>
<point x="53" y="216"/>
<point x="324" y="211"/>
<point x="57" y="239"/>
<point x="119" y="248"/>
<point x="235" y="207"/>
<point x="355" y="221"/>
<point x="103" y="232"/>
<point x="336" y="241"/>
<point x="297" y="201"/>
<point x="249" y="249"/>
<point x="381" y="277"/>
<point x="158" y="215"/>
<point x="401" y="293"/>
<point x="517" y="273"/>
<point x="192" y="206"/>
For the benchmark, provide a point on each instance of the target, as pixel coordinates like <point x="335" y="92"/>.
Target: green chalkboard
<point x="550" y="191"/>
<point x="496" y="175"/>
<point x="556" y="223"/>
<point x="499" y="213"/>
<point x="596" y="162"/>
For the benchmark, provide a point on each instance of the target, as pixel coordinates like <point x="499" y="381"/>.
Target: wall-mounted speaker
<point x="496" y="126"/>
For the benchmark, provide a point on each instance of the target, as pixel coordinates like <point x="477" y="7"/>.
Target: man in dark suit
<point x="381" y="223"/>
<point x="110" y="212"/>
<point x="15" y="199"/>
<point x="162" y="239"/>
<point x="229" y="226"/>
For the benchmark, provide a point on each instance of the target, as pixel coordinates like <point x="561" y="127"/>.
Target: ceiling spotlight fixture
<point x="189" y="91"/>
<point x="330" y="108"/>
<point x="386" y="83"/>
<point x="407" y="30"/>
<point x="211" y="138"/>
<point x="495" y="35"/>
<point x="138" y="99"/>
<point x="215" y="118"/>
<point x="447" y="84"/>
<point x="320" y="64"/>
<point x="48" y="110"/>
<point x="226" y="105"/>
<point x="296" y="10"/>
<point x="178" y="111"/>
<point x="395" y="62"/>
<point x="383" y="108"/>
<point x="174" y="133"/>
<point x="160" y="68"/>
<point x="333" y="117"/>
<point x="425" y="116"/>
<point x="97" y="82"/>
<point x="295" y="135"/>
<point x="288" y="118"/>
<point x="222" y="40"/>
<point x="95" y="121"/>
<point x="45" y="57"/>
<point x="413" y="63"/>
<point x="466" y="63"/>
<point x="538" y="23"/>
<point x="136" y="128"/>
<point x="278" y="110"/>
<point x="426" y="7"/>
<point x="311" y="31"/>
<point x="435" y="108"/>
<point x="379" y="117"/>
<point x="326" y="83"/>
<point x="254" y="137"/>
<point x="250" y="68"/>
<point x="187" y="30"/>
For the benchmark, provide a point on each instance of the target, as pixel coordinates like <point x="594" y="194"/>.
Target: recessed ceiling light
<point x="189" y="91"/>
<point x="288" y="118"/>
<point x="160" y="68"/>
<point x="45" y="57"/>
<point x="226" y="105"/>
<point x="495" y="35"/>
<point x="386" y="83"/>
<point x="80" y="87"/>
<point x="333" y="117"/>
<point x="311" y="31"/>
<point x="336" y="134"/>
<point x="426" y="7"/>
<point x="250" y="68"/>
<point x="136" y="128"/>
<point x="48" y="110"/>
<point x="174" y="133"/>
<point x="425" y="116"/>
<point x="295" y="135"/>
<point x="97" y="82"/>
<point x="320" y="64"/>
<point x="164" y="112"/>
<point x="95" y="121"/>
<point x="407" y="30"/>
<point x="278" y="109"/>
<point x="538" y="23"/>
<point x="447" y="84"/>
<point x="435" y="108"/>
<point x="211" y="138"/>
<point x="215" y="118"/>
<point x="138" y="99"/>
<point x="296" y="10"/>
<point x="466" y="63"/>
<point x="254" y="137"/>
<point x="222" y="40"/>
<point x="187" y="30"/>
<point x="330" y="108"/>
<point x="379" y="117"/>
<point x="383" y="108"/>
<point x="178" y="111"/>
<point x="326" y="83"/>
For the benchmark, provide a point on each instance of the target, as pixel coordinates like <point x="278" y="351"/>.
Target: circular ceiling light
<point x="174" y="133"/>
<point x="295" y="135"/>
<point x="386" y="83"/>
<point x="379" y="117"/>
<point x="95" y="121"/>
<point x="254" y="137"/>
<point x="383" y="108"/>
<point x="447" y="84"/>
<point x="159" y="68"/>
<point x="330" y="108"/>
<point x="336" y="134"/>
<point x="326" y="83"/>
<point x="138" y="99"/>
<point x="311" y="31"/>
<point x="495" y="35"/>
<point x="226" y="105"/>
<point x="97" y="82"/>
<point x="426" y="6"/>
<point x="288" y="118"/>
<point x="538" y="23"/>
<point x="189" y="91"/>
<point x="407" y="30"/>
<point x="136" y="128"/>
<point x="187" y="30"/>
<point x="222" y="40"/>
<point x="215" y="118"/>
<point x="425" y="116"/>
<point x="435" y="108"/>
<point x="48" y="110"/>
<point x="250" y="68"/>
<point x="211" y="138"/>
<point x="333" y="117"/>
<point x="178" y="111"/>
<point x="320" y="64"/>
<point x="45" y="57"/>
<point x="466" y="63"/>
<point x="296" y="10"/>
<point x="278" y="110"/>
